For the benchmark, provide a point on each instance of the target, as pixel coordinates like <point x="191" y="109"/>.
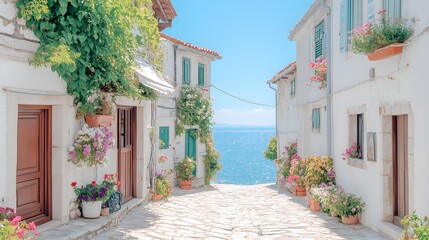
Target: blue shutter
<point x="200" y="74"/>
<point x="164" y="136"/>
<point x="393" y="9"/>
<point x="316" y="119"/>
<point x="318" y="39"/>
<point x="343" y="25"/>
<point x="370" y="10"/>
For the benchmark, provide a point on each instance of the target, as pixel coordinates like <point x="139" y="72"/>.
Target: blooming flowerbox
<point x="386" y="52"/>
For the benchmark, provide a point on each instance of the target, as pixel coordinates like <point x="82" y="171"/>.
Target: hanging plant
<point x="92" y="44"/>
<point x="320" y="71"/>
<point x="90" y="147"/>
<point x="193" y="109"/>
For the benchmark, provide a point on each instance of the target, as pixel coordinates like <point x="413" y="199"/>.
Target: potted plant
<point x="320" y="67"/>
<point x="313" y="198"/>
<point x="296" y="176"/>
<point x="162" y="185"/>
<point x="352" y="152"/>
<point x="185" y="172"/>
<point x="90" y="146"/>
<point x="415" y="227"/>
<point x="348" y="207"/>
<point x="98" y="112"/>
<point x="92" y="196"/>
<point x="319" y="171"/>
<point x="110" y="180"/>
<point x="382" y="39"/>
<point x="12" y="226"/>
<point x="328" y="199"/>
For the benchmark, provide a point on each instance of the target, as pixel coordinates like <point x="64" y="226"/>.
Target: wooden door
<point x="191" y="148"/>
<point x="33" y="171"/>
<point x="126" y="151"/>
<point x="400" y="167"/>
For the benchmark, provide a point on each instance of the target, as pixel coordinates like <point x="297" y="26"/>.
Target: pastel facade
<point x="185" y="65"/>
<point x="38" y="125"/>
<point x="381" y="104"/>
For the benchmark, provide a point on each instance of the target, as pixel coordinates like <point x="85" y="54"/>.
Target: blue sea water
<point x="242" y="156"/>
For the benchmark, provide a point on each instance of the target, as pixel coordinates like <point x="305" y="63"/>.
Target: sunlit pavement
<point x="233" y="212"/>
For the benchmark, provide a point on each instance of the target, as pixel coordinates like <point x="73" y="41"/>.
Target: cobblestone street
<point x="233" y="212"/>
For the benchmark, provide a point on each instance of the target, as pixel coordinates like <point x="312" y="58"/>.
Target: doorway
<point x="400" y="168"/>
<point x="33" y="171"/>
<point x="127" y="152"/>
<point x="191" y="148"/>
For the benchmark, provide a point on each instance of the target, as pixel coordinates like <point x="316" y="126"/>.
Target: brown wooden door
<point x="33" y="174"/>
<point x="126" y="152"/>
<point x="400" y="167"/>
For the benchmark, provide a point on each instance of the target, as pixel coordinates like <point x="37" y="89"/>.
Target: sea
<point x="242" y="157"/>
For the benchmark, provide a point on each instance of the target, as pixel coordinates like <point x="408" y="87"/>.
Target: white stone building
<point x="380" y="104"/>
<point x="185" y="65"/>
<point x="38" y="124"/>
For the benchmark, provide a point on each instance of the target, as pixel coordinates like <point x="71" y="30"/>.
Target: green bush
<point x="271" y="152"/>
<point x="185" y="169"/>
<point x="416" y="227"/>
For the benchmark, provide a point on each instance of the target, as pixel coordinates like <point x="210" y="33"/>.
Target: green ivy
<point x="92" y="44"/>
<point x="193" y="109"/>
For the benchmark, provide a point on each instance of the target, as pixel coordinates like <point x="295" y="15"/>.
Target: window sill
<point x="356" y="162"/>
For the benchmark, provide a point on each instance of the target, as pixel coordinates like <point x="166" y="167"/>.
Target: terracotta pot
<point x="157" y="197"/>
<point x="91" y="209"/>
<point x="99" y="120"/>
<point x="386" y="52"/>
<point x="186" y="184"/>
<point x="105" y="211"/>
<point x="299" y="191"/>
<point x="350" y="220"/>
<point x="314" y="205"/>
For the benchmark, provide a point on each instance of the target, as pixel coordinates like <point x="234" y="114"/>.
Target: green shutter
<point x="164" y="136"/>
<point x="343" y="25"/>
<point x="186" y="63"/>
<point x="292" y="87"/>
<point x="316" y="119"/>
<point x="191" y="148"/>
<point x="318" y="39"/>
<point x="200" y="74"/>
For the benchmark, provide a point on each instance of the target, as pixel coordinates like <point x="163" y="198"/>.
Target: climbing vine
<point x="193" y="109"/>
<point x="93" y="44"/>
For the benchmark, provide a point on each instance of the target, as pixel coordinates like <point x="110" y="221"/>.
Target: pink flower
<point x="20" y="233"/>
<point x="86" y="150"/>
<point x="32" y="226"/>
<point x="15" y="220"/>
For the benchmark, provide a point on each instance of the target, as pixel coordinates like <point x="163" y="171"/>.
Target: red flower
<point x="73" y="184"/>
<point x="106" y="176"/>
<point x="119" y="183"/>
<point x="93" y="183"/>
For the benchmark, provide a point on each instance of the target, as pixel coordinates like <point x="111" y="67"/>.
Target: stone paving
<point x="233" y="212"/>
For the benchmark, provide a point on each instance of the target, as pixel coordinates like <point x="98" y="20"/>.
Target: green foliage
<point x="370" y="37"/>
<point x="271" y="152"/>
<point x="185" y="169"/>
<point x="162" y="186"/>
<point x="92" y="44"/>
<point x="416" y="227"/>
<point x="193" y="109"/>
<point x="349" y="205"/>
<point x="147" y="92"/>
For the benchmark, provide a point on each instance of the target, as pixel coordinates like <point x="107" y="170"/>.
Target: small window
<point x="316" y="118"/>
<point x="292" y="87"/>
<point x="186" y="71"/>
<point x="200" y="74"/>
<point x="164" y="137"/>
<point x="393" y="9"/>
<point x="350" y="18"/>
<point x="318" y="39"/>
<point x="360" y="133"/>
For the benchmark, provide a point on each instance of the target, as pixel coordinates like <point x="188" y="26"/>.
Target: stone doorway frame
<point x="386" y="170"/>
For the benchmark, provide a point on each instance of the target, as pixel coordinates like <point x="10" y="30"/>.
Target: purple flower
<point x="86" y="149"/>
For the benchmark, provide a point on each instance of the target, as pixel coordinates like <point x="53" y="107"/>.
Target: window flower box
<point x="386" y="52"/>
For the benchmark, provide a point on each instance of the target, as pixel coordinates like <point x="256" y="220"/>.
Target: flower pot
<point x="299" y="191"/>
<point x="99" y="120"/>
<point x="157" y="197"/>
<point x="186" y="184"/>
<point x="91" y="209"/>
<point x="386" y="52"/>
<point x="105" y="211"/>
<point x="351" y="220"/>
<point x="314" y="205"/>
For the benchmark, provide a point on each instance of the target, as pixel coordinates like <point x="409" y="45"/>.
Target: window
<point x="318" y="40"/>
<point x="350" y="18"/>
<point x="393" y="8"/>
<point x="316" y="118"/>
<point x="200" y="74"/>
<point x="186" y="71"/>
<point x="164" y="137"/>
<point x="360" y="133"/>
<point x="292" y="87"/>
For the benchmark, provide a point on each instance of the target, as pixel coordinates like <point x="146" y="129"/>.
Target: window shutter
<point x="318" y="47"/>
<point x="316" y="118"/>
<point x="357" y="14"/>
<point x="200" y="74"/>
<point x="164" y="137"/>
<point x="393" y="8"/>
<point x="370" y="10"/>
<point x="186" y="71"/>
<point x="292" y="87"/>
<point x="343" y="26"/>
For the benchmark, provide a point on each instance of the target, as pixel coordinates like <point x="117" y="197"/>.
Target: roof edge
<point x="191" y="46"/>
<point x="313" y="8"/>
<point x="289" y="69"/>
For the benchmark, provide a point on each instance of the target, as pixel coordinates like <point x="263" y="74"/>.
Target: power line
<point x="241" y="99"/>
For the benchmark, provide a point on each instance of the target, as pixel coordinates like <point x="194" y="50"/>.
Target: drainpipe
<point x="327" y="11"/>
<point x="175" y="63"/>
<point x="277" y="126"/>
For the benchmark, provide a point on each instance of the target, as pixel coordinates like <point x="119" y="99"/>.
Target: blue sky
<point x="252" y="37"/>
